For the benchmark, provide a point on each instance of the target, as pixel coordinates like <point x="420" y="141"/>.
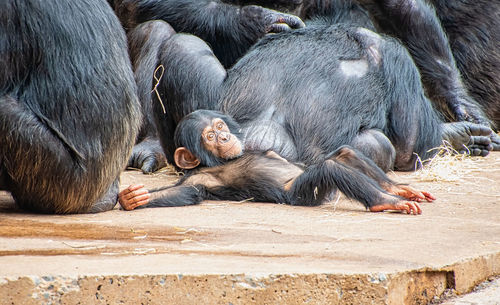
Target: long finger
<point x="415" y="208"/>
<point x="480" y="140"/>
<point x="293" y="21"/>
<point x="480" y="130"/>
<point x="134" y="194"/>
<point x="278" y="28"/>
<point x="131" y="188"/>
<point x="140" y="198"/>
<point x="429" y="197"/>
<point x="137" y="201"/>
<point x="141" y="203"/>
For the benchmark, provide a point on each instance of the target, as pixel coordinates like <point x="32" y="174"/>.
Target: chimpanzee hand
<point x="495" y="141"/>
<point x="133" y="197"/>
<point x="468" y="137"/>
<point x="148" y="156"/>
<point x="269" y="21"/>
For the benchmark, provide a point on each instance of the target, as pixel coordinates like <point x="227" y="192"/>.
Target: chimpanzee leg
<point x="229" y="29"/>
<point x="144" y="43"/>
<point x="357" y="160"/>
<point x="191" y="79"/>
<point x="415" y="23"/>
<point x="108" y="201"/>
<point x="40" y="167"/>
<point x="354" y="158"/>
<point x="377" y="147"/>
<point x="413" y="126"/>
<point x="318" y="181"/>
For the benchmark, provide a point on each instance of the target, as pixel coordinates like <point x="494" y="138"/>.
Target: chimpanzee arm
<point x="145" y="42"/>
<point x="415" y="23"/>
<point x="318" y="181"/>
<point x="229" y="29"/>
<point x="189" y="78"/>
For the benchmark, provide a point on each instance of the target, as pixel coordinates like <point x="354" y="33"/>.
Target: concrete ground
<point x="486" y="293"/>
<point x="257" y="253"/>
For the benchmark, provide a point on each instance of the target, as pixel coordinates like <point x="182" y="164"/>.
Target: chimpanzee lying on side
<point x="208" y="137"/>
<point x="231" y="27"/>
<point x="304" y="95"/>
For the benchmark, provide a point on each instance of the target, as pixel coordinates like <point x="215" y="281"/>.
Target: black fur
<point x="180" y="195"/>
<point x="228" y="28"/>
<point x="473" y="29"/>
<point x="144" y="50"/>
<point x="179" y="95"/>
<point x="453" y="43"/>
<point x="322" y="109"/>
<point x="305" y="102"/>
<point x="258" y="176"/>
<point x="69" y="112"/>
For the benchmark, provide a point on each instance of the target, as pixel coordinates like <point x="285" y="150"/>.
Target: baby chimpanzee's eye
<point x="210" y="136"/>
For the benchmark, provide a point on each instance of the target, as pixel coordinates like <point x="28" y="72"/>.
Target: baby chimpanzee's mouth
<point x="226" y="155"/>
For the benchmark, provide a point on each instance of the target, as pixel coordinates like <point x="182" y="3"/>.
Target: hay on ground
<point x="447" y="165"/>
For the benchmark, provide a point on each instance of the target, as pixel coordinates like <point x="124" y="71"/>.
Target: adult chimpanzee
<point x="265" y="176"/>
<point x="473" y="28"/>
<point x="463" y="34"/>
<point x="332" y="86"/>
<point x="143" y="47"/>
<point x="469" y="40"/>
<point x="229" y="29"/>
<point x="414" y="22"/>
<point x="68" y="105"/>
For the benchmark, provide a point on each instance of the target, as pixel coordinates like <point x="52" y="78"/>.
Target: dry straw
<point x="446" y="165"/>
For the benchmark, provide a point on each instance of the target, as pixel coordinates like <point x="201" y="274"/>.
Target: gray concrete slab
<point x="257" y="253"/>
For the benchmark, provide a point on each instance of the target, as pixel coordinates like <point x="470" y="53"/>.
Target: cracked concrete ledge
<point x="255" y="253"/>
<point x="408" y="287"/>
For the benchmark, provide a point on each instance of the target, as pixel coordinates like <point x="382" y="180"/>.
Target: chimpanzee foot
<point x="108" y="201"/>
<point x="148" y="156"/>
<point x="468" y="137"/>
<point x="410" y="193"/>
<point x="468" y="110"/>
<point x="408" y="207"/>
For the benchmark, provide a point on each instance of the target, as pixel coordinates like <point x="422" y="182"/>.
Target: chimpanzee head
<point x="206" y="137"/>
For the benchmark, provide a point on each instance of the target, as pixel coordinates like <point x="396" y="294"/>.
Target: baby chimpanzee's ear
<point x="185" y="159"/>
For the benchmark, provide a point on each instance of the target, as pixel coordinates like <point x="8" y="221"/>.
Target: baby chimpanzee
<point x="210" y="138"/>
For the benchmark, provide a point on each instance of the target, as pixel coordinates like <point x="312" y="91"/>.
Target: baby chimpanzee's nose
<point x="224" y="137"/>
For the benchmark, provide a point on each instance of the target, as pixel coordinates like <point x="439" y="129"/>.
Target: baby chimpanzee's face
<point x="218" y="140"/>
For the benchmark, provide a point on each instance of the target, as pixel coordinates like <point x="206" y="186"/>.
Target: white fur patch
<point x="354" y="68"/>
